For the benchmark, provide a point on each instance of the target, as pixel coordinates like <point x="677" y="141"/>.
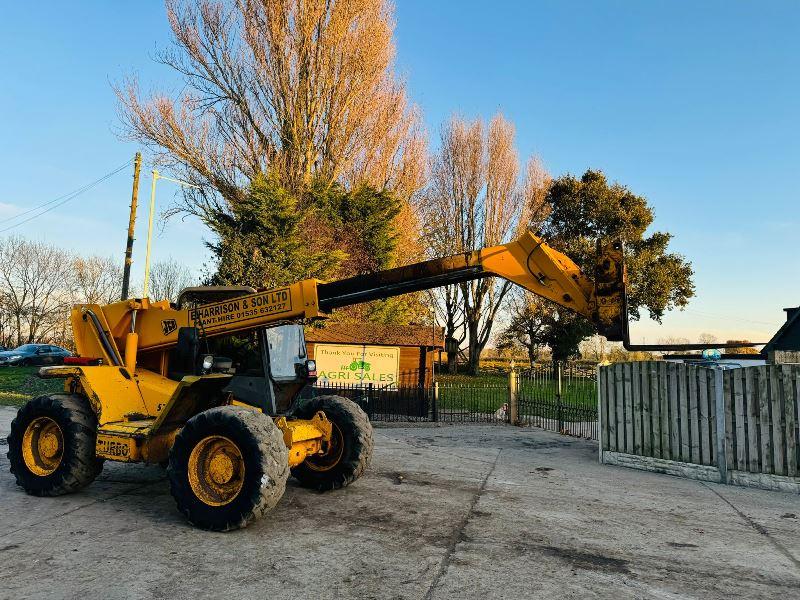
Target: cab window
<point x="287" y="349"/>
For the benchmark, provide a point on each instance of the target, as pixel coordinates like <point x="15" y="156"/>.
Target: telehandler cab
<point x="210" y="386"/>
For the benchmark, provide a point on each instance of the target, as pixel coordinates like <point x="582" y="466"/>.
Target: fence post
<point x="435" y="401"/>
<point x="599" y="415"/>
<point x="722" y="437"/>
<point x="513" y="396"/>
<point x="369" y="400"/>
<point x="558" y="399"/>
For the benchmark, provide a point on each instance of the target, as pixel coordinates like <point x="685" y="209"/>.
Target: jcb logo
<point x="168" y="326"/>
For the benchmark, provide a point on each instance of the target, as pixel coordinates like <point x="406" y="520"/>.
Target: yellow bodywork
<point x="140" y="415"/>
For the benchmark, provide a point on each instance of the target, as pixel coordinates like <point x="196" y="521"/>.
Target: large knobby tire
<point x="51" y="446"/>
<point x="351" y="445"/>
<point x="227" y="467"/>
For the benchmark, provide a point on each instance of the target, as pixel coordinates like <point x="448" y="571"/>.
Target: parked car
<point x="33" y="354"/>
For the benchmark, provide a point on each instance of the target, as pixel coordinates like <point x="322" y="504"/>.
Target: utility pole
<point x="126" y="276"/>
<point x="156" y="177"/>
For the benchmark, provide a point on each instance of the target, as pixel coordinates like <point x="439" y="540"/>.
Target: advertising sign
<point x="357" y="365"/>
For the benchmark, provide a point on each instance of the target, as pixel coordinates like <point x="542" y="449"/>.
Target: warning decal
<point x="242" y="309"/>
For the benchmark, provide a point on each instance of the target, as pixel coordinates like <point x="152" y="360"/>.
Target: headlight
<point x="15" y="357"/>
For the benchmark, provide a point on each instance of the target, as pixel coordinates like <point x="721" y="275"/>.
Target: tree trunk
<point x="451" y="346"/>
<point x="452" y="363"/>
<point x="532" y="354"/>
<point x="475" y="349"/>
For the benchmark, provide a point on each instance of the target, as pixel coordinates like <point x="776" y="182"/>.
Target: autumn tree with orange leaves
<point x="478" y="196"/>
<point x="303" y="92"/>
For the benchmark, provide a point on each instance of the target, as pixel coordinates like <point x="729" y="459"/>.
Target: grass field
<point x="20" y="384"/>
<point x="487" y="393"/>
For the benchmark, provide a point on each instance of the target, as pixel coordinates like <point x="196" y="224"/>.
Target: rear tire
<point x="345" y="463"/>
<point x="227" y="467"/>
<point x="51" y="446"/>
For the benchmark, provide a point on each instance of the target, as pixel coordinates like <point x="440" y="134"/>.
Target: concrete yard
<point x="444" y="512"/>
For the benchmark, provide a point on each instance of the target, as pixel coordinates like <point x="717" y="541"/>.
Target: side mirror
<point x="309" y="369"/>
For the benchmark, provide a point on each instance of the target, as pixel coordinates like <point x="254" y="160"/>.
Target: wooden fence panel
<point x="628" y="407"/>
<point x="683" y="410"/>
<point x="655" y="409"/>
<point x="611" y="410"/>
<point x="738" y="402"/>
<point x="790" y="430"/>
<point x="776" y="415"/>
<point x="674" y="414"/>
<point x="636" y="391"/>
<point x="763" y="405"/>
<point x="751" y="378"/>
<point x="704" y="440"/>
<point x="647" y="427"/>
<point x="712" y="414"/>
<point x="693" y="381"/>
<point x="727" y="392"/>
<point x="669" y="411"/>
<point x="663" y="391"/>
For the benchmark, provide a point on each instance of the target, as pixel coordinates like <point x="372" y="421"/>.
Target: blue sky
<point x="691" y="104"/>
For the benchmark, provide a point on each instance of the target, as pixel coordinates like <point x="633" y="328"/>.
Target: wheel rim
<point x="42" y="446"/>
<point x="331" y="458"/>
<point x="216" y="470"/>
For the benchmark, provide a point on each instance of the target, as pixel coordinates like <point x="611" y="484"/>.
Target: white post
<point x="435" y="401"/>
<point x="145" y="287"/>
<point x="513" y="393"/>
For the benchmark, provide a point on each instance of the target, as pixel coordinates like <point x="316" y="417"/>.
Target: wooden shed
<point x="410" y="350"/>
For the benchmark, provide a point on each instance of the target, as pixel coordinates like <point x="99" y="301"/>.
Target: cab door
<point x="288" y="364"/>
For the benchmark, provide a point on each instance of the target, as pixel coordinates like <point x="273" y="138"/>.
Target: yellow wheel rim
<point x="216" y="470"/>
<point x="327" y="461"/>
<point x="42" y="446"/>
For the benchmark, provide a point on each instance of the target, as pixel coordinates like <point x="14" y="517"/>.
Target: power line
<point x="61" y="200"/>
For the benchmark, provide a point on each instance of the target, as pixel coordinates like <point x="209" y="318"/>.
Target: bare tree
<point x="35" y="287"/>
<point x="299" y="87"/>
<point x="8" y="330"/>
<point x="526" y="326"/>
<point x="168" y="278"/>
<point x="707" y="338"/>
<point x="476" y="198"/>
<point x="595" y="348"/>
<point x="97" y="280"/>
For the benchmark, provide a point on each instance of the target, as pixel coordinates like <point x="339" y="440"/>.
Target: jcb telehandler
<point x="209" y="386"/>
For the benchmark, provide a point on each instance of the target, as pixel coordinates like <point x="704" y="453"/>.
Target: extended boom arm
<point x="528" y="262"/>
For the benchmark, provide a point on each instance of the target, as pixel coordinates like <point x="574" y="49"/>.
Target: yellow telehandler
<point x="209" y="385"/>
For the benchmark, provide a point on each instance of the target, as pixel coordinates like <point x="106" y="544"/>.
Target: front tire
<point x="51" y="446"/>
<point x="351" y="445"/>
<point x="227" y="467"/>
